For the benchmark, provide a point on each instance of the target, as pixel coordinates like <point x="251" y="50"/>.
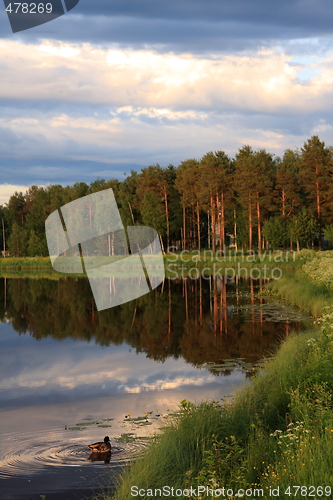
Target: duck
<point x="101" y="446"/>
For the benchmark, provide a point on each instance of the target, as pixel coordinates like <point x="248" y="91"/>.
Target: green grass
<point x="310" y="285"/>
<point x="277" y="431"/>
<point x="18" y="263"/>
<point x="299" y="290"/>
<point x="176" y="265"/>
<point x="30" y="267"/>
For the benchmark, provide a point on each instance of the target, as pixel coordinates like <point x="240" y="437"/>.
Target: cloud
<point x="7" y="190"/>
<point x="191" y="25"/>
<point x="158" y="85"/>
<point x="74" y="111"/>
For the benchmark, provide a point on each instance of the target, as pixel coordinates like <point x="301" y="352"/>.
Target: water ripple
<point x="23" y="454"/>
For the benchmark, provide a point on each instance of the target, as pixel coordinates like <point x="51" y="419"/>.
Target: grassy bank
<point x="278" y="432"/>
<point x="300" y="291"/>
<point x="310" y="286"/>
<point x="18" y="264"/>
<point x="206" y="257"/>
<point x="29" y="267"/>
<point x="176" y="265"/>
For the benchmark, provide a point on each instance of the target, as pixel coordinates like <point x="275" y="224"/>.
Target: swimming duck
<point x="101" y="447"/>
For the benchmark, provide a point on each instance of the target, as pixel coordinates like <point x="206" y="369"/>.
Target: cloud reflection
<point x="71" y="368"/>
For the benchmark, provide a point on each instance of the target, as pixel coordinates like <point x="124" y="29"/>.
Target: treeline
<point x="184" y="321"/>
<point x="253" y="202"/>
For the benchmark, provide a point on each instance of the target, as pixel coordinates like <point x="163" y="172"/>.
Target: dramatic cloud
<point x="189" y="25"/>
<point x="115" y="86"/>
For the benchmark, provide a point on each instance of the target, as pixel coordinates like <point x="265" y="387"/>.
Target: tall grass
<point x="299" y="290"/>
<point x="276" y="433"/>
<point x="18" y="263"/>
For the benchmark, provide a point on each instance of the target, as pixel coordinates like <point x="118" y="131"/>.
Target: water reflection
<point x="100" y="457"/>
<point x="200" y="320"/>
<point x="63" y="364"/>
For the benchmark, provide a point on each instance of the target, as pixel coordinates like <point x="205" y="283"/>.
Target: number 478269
<point x="29" y="8"/>
<point x="309" y="491"/>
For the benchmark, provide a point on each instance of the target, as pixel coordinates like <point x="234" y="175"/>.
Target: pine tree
<point x="34" y="245"/>
<point x="154" y="178"/>
<point x="17" y="241"/>
<point x="187" y="184"/>
<point x="288" y="189"/>
<point x="316" y="177"/>
<point x="254" y="178"/>
<point x="153" y="214"/>
<point x="264" y="181"/>
<point x="215" y="191"/>
<point x="245" y="185"/>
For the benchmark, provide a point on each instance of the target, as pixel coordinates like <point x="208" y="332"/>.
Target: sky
<point x="117" y="85"/>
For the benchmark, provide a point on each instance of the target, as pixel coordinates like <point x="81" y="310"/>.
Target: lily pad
<point x="135" y="419"/>
<point x="220" y="369"/>
<point x="126" y="438"/>
<point x="88" y="423"/>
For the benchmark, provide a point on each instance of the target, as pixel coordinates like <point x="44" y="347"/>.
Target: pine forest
<point x="254" y="202"/>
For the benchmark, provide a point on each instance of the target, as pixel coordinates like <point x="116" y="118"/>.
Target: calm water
<point x="71" y="375"/>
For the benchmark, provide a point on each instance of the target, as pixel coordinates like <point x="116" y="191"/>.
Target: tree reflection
<point x="206" y="319"/>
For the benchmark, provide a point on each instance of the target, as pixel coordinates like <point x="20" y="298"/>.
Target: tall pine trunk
<point x="184" y="228"/>
<point x="198" y="224"/>
<point x="213" y="221"/>
<point x="259" y="227"/>
<point x="250" y="226"/>
<point x="318" y="216"/>
<point x="222" y="226"/>
<point x="167" y="217"/>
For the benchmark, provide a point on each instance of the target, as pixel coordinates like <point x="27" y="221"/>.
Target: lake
<point x="71" y="375"/>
